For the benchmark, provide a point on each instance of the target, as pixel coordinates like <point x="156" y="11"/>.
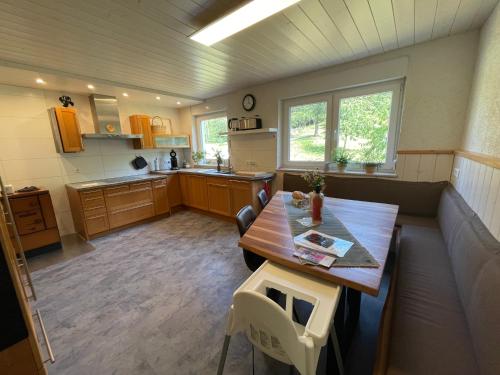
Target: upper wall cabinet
<point x="66" y="129"/>
<point x="141" y="124"/>
<point x="171" y="141"/>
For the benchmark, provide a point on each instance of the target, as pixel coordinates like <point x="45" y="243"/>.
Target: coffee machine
<point x="173" y="160"/>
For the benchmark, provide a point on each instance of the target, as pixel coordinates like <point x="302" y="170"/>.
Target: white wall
<point x="479" y="184"/>
<point x="439" y="76"/>
<point x="28" y="155"/>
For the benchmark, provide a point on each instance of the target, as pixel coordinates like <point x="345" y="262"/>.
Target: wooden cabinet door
<point x="198" y="192"/>
<point x="219" y="199"/>
<point x="160" y="197"/>
<point x="241" y="195"/>
<point x="141" y="124"/>
<point x="47" y="211"/>
<point x="69" y="129"/>
<point x="184" y="185"/>
<point x="174" y="190"/>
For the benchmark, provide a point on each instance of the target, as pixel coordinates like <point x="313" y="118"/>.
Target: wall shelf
<point x="253" y="131"/>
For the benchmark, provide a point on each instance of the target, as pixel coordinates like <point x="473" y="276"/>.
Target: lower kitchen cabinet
<point x="184" y="185"/>
<point x="219" y="196"/>
<point x="97" y="211"/>
<point x="160" y="196"/>
<point x="174" y="190"/>
<point x="198" y="196"/>
<point x="242" y="194"/>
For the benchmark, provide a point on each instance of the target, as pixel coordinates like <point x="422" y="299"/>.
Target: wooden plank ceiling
<point x="145" y="42"/>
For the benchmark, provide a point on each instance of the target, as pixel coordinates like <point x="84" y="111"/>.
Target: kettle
<point x="233" y="124"/>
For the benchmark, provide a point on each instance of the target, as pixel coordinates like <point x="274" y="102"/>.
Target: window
<point x="209" y="139"/>
<point x="363" y="121"/>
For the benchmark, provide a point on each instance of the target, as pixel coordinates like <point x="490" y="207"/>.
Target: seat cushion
<point x="430" y="334"/>
<point x="420" y="221"/>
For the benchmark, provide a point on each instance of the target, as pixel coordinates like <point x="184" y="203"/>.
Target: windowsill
<point x="346" y="173"/>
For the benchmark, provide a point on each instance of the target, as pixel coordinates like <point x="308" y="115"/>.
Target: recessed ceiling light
<point x="207" y="107"/>
<point x="40" y="81"/>
<point x="91" y="87"/>
<point x="243" y="17"/>
<point x="125" y="94"/>
<point x="158" y="98"/>
<point x="178" y="103"/>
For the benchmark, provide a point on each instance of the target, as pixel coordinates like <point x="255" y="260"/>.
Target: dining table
<point x="372" y="224"/>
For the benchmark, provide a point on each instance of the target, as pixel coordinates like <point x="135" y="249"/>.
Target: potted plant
<point x="370" y="167"/>
<point x="218" y="158"/>
<point x="342" y="159"/>
<point x="197" y="156"/>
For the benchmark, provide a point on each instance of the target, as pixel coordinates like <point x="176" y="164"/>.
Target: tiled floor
<point x="153" y="300"/>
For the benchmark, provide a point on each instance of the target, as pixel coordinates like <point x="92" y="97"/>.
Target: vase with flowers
<point x="317" y="182"/>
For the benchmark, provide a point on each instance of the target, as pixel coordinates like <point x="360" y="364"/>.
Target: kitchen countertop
<point x="155" y="175"/>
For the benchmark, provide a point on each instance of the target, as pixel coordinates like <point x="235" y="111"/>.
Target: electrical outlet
<point x="456" y="172"/>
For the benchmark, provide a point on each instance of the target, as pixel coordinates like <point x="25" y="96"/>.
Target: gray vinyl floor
<point x="153" y="300"/>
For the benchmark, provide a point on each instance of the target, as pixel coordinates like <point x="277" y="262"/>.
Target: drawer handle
<point x="142" y="189"/>
<point x="94" y="208"/>
<point x="95" y="217"/>
<point x="132" y="208"/>
<point x="240" y="182"/>
<point x="218" y="185"/>
<point x="28" y="214"/>
<point x="93" y="198"/>
<point x="45" y="338"/>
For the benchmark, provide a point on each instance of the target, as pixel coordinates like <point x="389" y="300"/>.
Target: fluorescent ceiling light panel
<point x="248" y="15"/>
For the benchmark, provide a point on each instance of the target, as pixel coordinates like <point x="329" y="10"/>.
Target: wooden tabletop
<point x="371" y="223"/>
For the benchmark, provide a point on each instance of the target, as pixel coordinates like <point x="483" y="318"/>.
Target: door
<point x="198" y="192"/>
<point x="69" y="129"/>
<point x="219" y="198"/>
<point x="141" y="124"/>
<point x="184" y="185"/>
<point x="241" y="195"/>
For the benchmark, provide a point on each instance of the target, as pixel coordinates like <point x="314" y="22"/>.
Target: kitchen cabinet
<point x="129" y="203"/>
<point x="197" y="187"/>
<point x="66" y="129"/>
<point x="242" y="194"/>
<point x="174" y="190"/>
<point x="183" y="183"/>
<point x="35" y="219"/>
<point x="171" y="141"/>
<point x="141" y="124"/>
<point x="160" y="196"/>
<point x="219" y="196"/>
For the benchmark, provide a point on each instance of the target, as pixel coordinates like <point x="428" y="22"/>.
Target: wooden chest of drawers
<point x="35" y="219"/>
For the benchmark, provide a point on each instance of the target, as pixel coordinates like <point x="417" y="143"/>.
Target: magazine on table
<point x="307" y="256"/>
<point x="323" y="243"/>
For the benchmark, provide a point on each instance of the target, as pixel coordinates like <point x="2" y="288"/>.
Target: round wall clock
<point x="248" y="102"/>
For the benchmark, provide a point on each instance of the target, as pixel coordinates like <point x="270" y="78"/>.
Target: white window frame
<point x="333" y="99"/>
<point x="199" y="135"/>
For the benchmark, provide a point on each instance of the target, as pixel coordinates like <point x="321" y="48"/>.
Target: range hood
<point x="107" y="118"/>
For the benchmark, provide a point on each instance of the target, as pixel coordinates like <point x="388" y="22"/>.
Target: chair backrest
<point x="245" y="218"/>
<point x="263" y="198"/>
<point x="270" y="329"/>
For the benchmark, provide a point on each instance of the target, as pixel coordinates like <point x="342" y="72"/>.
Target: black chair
<point x="263" y="198"/>
<point x="245" y="218"/>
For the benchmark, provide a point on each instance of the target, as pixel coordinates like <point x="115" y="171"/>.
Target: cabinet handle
<point x="95" y="217"/>
<point x="240" y="182"/>
<point x="132" y="208"/>
<point x="218" y="185"/>
<point x="45" y="338"/>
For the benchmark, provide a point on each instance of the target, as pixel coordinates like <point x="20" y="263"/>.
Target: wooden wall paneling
<point x="339" y="13"/>
<point x="465" y="15"/>
<point x="493" y="192"/>
<point x="477" y="187"/>
<point x="404" y="14"/>
<point x="410" y="172"/>
<point x="443" y="168"/>
<point x="400" y="166"/>
<point x="384" y="19"/>
<point x="425" y="11"/>
<point x="426" y="167"/>
<point x="361" y="13"/>
<point x="445" y="15"/>
<point x="483" y="194"/>
<point x="473" y="176"/>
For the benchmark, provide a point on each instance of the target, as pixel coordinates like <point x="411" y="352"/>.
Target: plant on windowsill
<point x="197" y="156"/>
<point x="342" y="159"/>
<point x="218" y="158"/>
<point x="371" y="167"/>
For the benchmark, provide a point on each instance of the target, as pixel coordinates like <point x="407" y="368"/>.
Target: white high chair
<point x="271" y="329"/>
